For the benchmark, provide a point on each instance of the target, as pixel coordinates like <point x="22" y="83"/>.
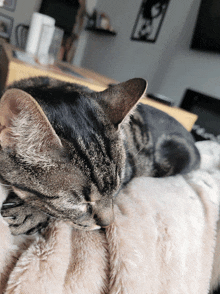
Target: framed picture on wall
<point x="6" y="24"/>
<point x="149" y="20"/>
<point x="9" y="5"/>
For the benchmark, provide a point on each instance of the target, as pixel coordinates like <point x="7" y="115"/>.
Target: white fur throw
<point x="162" y="242"/>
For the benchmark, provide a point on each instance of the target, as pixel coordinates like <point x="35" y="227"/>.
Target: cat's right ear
<point x="119" y="100"/>
<point x="25" y="129"/>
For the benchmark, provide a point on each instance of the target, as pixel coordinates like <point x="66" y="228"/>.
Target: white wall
<point x="22" y="13"/>
<point x="169" y="65"/>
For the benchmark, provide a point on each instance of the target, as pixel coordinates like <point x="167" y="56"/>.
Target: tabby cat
<point x="66" y="151"/>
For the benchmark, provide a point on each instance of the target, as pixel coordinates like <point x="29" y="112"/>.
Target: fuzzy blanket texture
<point x="163" y="241"/>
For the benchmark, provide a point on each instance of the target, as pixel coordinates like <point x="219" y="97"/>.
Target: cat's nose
<point x="104" y="215"/>
<point x="105" y="220"/>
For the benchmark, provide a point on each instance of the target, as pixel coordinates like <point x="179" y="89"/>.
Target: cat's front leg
<point x="21" y="217"/>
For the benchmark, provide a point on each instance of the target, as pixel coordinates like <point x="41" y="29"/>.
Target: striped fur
<point x="67" y="151"/>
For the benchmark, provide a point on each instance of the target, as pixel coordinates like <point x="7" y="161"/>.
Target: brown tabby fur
<point x="67" y="151"/>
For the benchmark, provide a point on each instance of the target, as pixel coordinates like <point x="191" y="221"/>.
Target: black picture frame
<point x="10" y="5"/>
<point x="6" y="25"/>
<point x="206" y="35"/>
<point x="149" y="20"/>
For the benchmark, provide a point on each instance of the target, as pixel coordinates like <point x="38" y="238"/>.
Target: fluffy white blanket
<point x="162" y="241"/>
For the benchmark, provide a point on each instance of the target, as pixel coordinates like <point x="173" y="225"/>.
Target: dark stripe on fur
<point x="86" y="192"/>
<point x="38" y="228"/>
<point x="39" y="195"/>
<point x="130" y="169"/>
<point x="137" y="123"/>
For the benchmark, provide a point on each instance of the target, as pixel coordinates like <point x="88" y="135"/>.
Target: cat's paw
<point x="22" y="218"/>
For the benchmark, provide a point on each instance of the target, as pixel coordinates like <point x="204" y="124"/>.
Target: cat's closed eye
<point x="80" y="210"/>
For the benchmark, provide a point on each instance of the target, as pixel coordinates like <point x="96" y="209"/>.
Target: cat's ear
<point x="25" y="129"/>
<point x="120" y="99"/>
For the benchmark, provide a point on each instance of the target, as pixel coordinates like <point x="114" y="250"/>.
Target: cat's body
<point x="70" y="153"/>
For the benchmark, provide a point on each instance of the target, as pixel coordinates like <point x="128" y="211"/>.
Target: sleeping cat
<point x="66" y="151"/>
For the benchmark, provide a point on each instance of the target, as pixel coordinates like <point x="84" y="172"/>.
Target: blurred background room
<point x="175" y="45"/>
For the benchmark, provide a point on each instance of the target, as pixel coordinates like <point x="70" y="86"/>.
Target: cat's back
<point x="158" y="145"/>
<point x="160" y="123"/>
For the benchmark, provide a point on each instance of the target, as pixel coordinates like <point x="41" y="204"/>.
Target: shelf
<point x="101" y="31"/>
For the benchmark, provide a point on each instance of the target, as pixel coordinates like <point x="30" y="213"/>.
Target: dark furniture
<point x="63" y="11"/>
<point x="207" y="127"/>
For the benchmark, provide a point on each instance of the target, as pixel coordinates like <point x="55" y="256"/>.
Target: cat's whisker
<point x="132" y="148"/>
<point x="9" y="204"/>
<point x="138" y="152"/>
<point x="5" y="185"/>
<point x="135" y="155"/>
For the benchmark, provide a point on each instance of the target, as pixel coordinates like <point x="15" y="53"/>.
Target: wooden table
<point x="13" y="69"/>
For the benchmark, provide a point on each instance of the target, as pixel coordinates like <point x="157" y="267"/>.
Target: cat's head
<point x="70" y="171"/>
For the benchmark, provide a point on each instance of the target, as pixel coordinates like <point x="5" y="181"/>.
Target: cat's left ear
<point x="25" y="129"/>
<point x="118" y="100"/>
